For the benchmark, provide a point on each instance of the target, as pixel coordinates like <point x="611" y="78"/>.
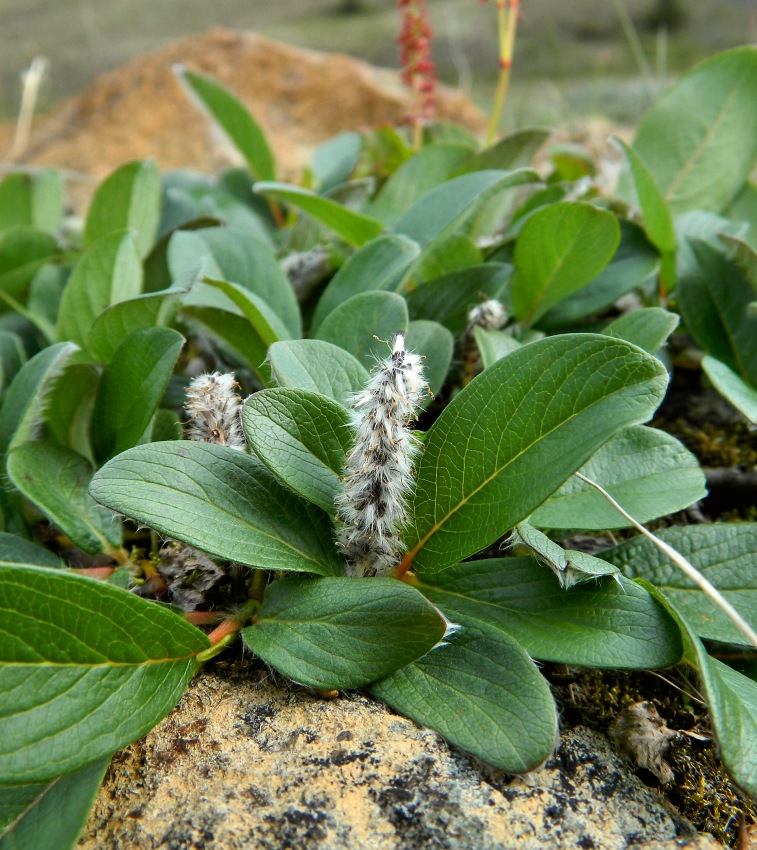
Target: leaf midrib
<point x="542" y="436"/>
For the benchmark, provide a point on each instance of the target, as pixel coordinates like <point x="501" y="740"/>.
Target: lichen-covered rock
<point x="300" y="97"/>
<point x="248" y="761"/>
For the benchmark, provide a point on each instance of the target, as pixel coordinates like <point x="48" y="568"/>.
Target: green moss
<point x="701" y="790"/>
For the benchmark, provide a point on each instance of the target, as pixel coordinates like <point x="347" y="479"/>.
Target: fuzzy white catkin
<point x="378" y="477"/>
<point x="214" y="410"/>
<point x="490" y="314"/>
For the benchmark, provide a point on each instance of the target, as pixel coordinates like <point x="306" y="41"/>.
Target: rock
<point x="247" y="760"/>
<point x="300" y="97"/>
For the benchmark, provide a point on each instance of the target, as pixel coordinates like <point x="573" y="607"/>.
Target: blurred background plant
<point x="588" y="57"/>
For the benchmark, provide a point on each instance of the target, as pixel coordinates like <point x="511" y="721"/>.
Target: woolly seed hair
<point x="214" y="410"/>
<point x="378" y="472"/>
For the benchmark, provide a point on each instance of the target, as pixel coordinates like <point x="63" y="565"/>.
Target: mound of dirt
<point x="300" y="97"/>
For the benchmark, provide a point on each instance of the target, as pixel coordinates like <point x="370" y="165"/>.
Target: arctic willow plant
<point x="96" y="341"/>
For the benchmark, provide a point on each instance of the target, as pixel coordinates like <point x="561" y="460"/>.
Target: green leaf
<point x="24" y="401"/>
<point x="56" y="479"/>
<point x="494" y="345"/>
<point x="723" y="552"/>
<point x="483" y="693"/>
<point x="435" y="344"/>
<point x="452" y="205"/>
<point x="86" y="668"/>
<point x="449" y="253"/>
<point x="570" y="566"/>
<point x="715" y="305"/>
<point x="16" y="550"/>
<point x="129" y="199"/>
<point x="226" y="254"/>
<point x="648" y="472"/>
<point x="12" y="358"/>
<point x="302" y="437"/>
<point x="449" y="299"/>
<point x="732" y="702"/>
<point x="633" y="265"/>
<point x="336" y="158"/>
<point x="233" y="331"/>
<point x="378" y="265"/>
<point x="312" y="364"/>
<point x="648" y="327"/>
<point x="515" y="150"/>
<point x="341" y="632"/>
<point x="68" y="407"/>
<point x="22" y="251"/>
<point x="264" y="322"/>
<point x="131" y="388"/>
<point x="600" y="624"/>
<point x="32" y="200"/>
<point x="356" y="323"/>
<point x="425" y="170"/>
<point x="31" y="814"/>
<point x="108" y="271"/>
<point x="695" y="226"/>
<point x="516" y="432"/>
<point x="740" y="394"/>
<point x="115" y="323"/>
<point x="234" y="119"/>
<point x="219" y="500"/>
<point x="354" y="227"/>
<point x="560" y="249"/>
<point x="658" y="223"/>
<point x="699" y="140"/>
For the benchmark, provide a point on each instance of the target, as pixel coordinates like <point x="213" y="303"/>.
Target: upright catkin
<point x="214" y="410"/>
<point x="378" y="476"/>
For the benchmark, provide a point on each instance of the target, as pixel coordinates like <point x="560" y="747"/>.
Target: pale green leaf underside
<point x="648" y="472"/>
<point x="725" y="553"/>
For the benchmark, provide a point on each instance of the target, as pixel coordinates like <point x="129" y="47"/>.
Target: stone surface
<point x="247" y="760"/>
<point x="300" y="97"/>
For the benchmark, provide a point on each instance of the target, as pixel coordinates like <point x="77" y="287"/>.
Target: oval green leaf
<point x="129" y="199"/>
<point x="108" y="271"/>
<point x="302" y="437"/>
<point x="699" y="140"/>
<point x="516" y="432"/>
<point x="56" y="479"/>
<point x="312" y="364"/>
<point x="560" y="249"/>
<point x="31" y="814"/>
<point x="378" y="265"/>
<point x="219" y="500"/>
<point x="740" y="394"/>
<point x="354" y="227"/>
<point x="131" y="388"/>
<point x="86" y="668"/>
<point x="356" y="324"/>
<point x="232" y="116"/>
<point x="648" y="327"/>
<point x="725" y="553"/>
<point x="650" y="473"/>
<point x="342" y="632"/>
<point x="482" y="692"/>
<point x="602" y="624"/>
